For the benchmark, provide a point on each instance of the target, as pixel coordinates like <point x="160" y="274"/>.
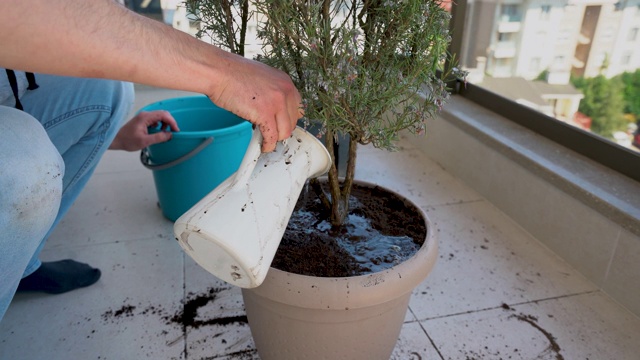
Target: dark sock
<point x="59" y="277"/>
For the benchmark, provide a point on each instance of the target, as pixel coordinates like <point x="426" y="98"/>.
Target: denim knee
<point x="31" y="177"/>
<point x="31" y="171"/>
<point x="81" y="117"/>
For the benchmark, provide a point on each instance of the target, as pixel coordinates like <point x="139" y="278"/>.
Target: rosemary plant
<point x="366" y="68"/>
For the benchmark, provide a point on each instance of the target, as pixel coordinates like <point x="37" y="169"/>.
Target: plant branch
<point x="243" y="25"/>
<point x="228" y="20"/>
<point x="337" y="209"/>
<point x="322" y="195"/>
<point x="351" y="168"/>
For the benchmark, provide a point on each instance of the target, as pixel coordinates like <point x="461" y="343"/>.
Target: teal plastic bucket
<point x="207" y="150"/>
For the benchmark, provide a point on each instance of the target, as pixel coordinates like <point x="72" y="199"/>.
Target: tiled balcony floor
<point x="495" y="293"/>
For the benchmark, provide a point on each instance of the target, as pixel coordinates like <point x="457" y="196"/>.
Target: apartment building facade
<point x="527" y="38"/>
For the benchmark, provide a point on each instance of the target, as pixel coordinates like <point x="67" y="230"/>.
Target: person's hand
<point x="134" y="135"/>
<point x="263" y="95"/>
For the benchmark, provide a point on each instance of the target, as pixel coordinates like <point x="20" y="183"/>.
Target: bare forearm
<point x="99" y="38"/>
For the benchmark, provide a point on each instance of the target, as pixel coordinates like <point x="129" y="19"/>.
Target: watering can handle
<point x="249" y="161"/>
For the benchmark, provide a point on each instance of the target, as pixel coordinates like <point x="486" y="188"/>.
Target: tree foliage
<point x="631" y="92"/>
<point x="225" y="21"/>
<point x="603" y="102"/>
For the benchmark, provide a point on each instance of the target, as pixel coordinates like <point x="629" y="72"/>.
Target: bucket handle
<point x="145" y="160"/>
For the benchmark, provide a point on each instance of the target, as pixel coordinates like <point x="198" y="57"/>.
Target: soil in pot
<point x="381" y="231"/>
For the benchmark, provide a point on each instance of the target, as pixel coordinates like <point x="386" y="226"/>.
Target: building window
<point x="504" y="37"/>
<point x="502" y="67"/>
<point x="626" y="58"/>
<point x="509" y="13"/>
<point x="564" y="35"/>
<point x="545" y="12"/>
<point x="608" y="33"/>
<point x="558" y="61"/>
<point x="633" y="34"/>
<point x="534" y="65"/>
<point x="618" y="6"/>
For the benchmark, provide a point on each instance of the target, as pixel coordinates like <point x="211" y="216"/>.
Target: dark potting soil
<point x="381" y="231"/>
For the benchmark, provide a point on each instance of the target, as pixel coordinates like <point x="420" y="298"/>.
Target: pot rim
<point x="354" y="291"/>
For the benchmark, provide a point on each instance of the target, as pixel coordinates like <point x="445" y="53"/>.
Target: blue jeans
<point x="47" y="155"/>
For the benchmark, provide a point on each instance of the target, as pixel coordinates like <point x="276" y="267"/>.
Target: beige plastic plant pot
<point x="294" y="317"/>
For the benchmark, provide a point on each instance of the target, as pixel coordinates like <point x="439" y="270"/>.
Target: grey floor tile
<point x="113" y="207"/>
<point x="220" y="326"/>
<point x="412" y="174"/>
<point x="588" y="326"/>
<point x="486" y="260"/>
<point x="115" y="161"/>
<point x="125" y="315"/>
<point x="414" y="344"/>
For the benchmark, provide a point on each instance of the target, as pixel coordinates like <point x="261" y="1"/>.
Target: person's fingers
<point x="158" y="137"/>
<point x="285" y="125"/>
<point x="168" y="119"/>
<point x="287" y="120"/>
<point x="297" y="110"/>
<point x="269" y="137"/>
<point x="153" y="117"/>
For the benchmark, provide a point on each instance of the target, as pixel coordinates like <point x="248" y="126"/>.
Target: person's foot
<point x="59" y="277"/>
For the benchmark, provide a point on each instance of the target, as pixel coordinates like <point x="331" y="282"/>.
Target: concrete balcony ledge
<point x="586" y="213"/>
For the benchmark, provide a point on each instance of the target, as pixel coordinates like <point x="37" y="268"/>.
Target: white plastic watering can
<point x="235" y="230"/>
